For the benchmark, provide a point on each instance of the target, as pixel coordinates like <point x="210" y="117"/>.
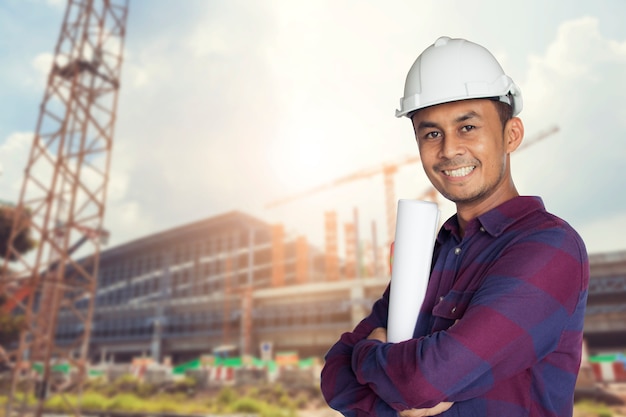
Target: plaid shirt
<point x="499" y="333"/>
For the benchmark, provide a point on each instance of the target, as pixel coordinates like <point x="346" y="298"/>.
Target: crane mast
<point x="64" y="194"/>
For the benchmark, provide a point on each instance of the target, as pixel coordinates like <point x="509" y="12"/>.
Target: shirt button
<point x="453" y="309"/>
<point x="482" y="229"/>
<point x="457" y="251"/>
<point x="441" y="298"/>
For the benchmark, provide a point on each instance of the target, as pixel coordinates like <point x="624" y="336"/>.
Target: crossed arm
<point x="495" y="340"/>
<point x="380" y="334"/>
<point x="339" y="384"/>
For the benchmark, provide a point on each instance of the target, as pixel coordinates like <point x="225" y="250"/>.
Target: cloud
<point x="13" y="157"/>
<point x="598" y="233"/>
<point x="578" y="85"/>
<point x="231" y="105"/>
<point x="42" y="63"/>
<point x="192" y="117"/>
<point x="128" y="214"/>
<point x="244" y="107"/>
<point x="56" y="3"/>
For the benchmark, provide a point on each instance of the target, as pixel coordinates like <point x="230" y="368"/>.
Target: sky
<point x="231" y="105"/>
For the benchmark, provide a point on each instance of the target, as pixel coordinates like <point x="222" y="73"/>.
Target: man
<point x="500" y="329"/>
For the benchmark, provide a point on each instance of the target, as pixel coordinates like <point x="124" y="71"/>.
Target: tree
<point x="11" y="325"/>
<point x="23" y="241"/>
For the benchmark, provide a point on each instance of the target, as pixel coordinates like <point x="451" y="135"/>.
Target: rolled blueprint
<point x="416" y="228"/>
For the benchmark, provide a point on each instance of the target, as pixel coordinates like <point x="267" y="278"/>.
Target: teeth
<point x="460" y="172"/>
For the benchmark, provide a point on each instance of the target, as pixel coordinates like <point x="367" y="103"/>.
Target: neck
<point x="467" y="211"/>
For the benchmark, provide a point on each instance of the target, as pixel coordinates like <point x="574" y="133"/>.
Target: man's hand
<point x="433" y="411"/>
<point x="379" y="333"/>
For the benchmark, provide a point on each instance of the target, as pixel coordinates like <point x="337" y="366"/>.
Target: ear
<point x="513" y="134"/>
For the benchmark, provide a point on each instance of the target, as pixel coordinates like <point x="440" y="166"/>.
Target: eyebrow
<point x="462" y="118"/>
<point x="469" y="115"/>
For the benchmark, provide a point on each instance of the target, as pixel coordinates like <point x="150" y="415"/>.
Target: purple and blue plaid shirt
<point x="499" y="332"/>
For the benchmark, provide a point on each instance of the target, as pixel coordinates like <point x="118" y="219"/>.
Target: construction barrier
<point x="207" y="370"/>
<point x="609" y="368"/>
<point x="221" y="375"/>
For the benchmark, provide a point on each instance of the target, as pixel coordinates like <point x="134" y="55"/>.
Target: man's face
<point x="464" y="152"/>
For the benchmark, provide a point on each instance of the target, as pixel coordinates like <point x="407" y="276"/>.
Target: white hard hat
<point x="456" y="69"/>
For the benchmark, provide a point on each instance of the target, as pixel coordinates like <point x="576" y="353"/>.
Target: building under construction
<point x="235" y="284"/>
<point x="227" y="283"/>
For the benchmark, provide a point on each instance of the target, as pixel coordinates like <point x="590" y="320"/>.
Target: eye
<point x="468" y="128"/>
<point x="432" y="135"/>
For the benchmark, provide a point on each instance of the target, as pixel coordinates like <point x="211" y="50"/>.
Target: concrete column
<point x="357" y="296"/>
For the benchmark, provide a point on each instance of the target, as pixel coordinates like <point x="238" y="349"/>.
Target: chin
<point x="462" y="199"/>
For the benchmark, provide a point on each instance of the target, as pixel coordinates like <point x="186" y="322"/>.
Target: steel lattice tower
<point x="64" y="193"/>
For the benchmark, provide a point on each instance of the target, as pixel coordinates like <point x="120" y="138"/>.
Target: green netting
<point x="63" y="368"/>
<point x="306" y="363"/>
<point x="237" y="362"/>
<point x="183" y="367"/>
<point x="602" y="358"/>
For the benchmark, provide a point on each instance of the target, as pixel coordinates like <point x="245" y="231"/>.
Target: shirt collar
<point x="496" y="220"/>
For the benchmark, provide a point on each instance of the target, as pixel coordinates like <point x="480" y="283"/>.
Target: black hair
<point x="505" y="110"/>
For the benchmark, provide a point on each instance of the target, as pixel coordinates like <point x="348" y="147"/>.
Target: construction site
<point x="227" y="300"/>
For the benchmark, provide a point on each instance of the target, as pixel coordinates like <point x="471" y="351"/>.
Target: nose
<point x="451" y="146"/>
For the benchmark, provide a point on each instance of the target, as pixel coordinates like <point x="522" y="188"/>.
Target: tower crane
<point x="388" y="170"/>
<point x="64" y="191"/>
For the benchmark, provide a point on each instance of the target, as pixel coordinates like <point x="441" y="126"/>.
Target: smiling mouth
<point x="459" y="172"/>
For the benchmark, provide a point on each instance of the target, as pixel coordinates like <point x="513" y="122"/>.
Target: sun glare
<point x="298" y="161"/>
